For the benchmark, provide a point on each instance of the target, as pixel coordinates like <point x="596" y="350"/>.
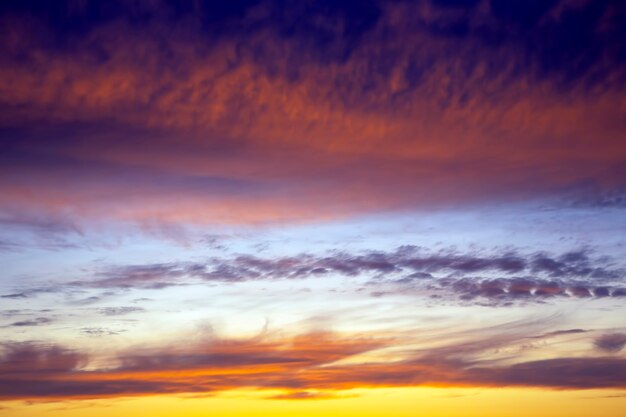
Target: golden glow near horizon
<point x="401" y="402"/>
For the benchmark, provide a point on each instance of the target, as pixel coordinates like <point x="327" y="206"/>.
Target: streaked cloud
<point x="298" y="365"/>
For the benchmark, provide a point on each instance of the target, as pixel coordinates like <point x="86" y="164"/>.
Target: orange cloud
<point x="391" y="126"/>
<point x="304" y="364"/>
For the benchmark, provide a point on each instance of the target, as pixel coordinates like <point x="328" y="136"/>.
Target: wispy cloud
<point x="306" y="367"/>
<point x="120" y="311"/>
<point x="39" y="321"/>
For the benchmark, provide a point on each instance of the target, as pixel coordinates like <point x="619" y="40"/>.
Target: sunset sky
<point x="313" y="208"/>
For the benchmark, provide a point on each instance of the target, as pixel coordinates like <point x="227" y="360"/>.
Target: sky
<point x="333" y="207"/>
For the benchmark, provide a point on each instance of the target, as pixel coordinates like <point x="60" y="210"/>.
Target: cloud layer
<point x="496" y="276"/>
<point x="164" y="109"/>
<point x="307" y="362"/>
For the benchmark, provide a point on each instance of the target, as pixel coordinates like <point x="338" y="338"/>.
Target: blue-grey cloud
<point x="497" y="276"/>
<point x="611" y="343"/>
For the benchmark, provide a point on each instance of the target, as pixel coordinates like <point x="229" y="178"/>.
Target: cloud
<point x="564" y="373"/>
<point x="150" y="276"/>
<point x="39" y="321"/>
<point x="120" y="311"/>
<point x="610" y="343"/>
<point x="99" y="331"/>
<point x="615" y="199"/>
<point x="497" y="276"/>
<point x="302" y="366"/>
<point x="416" y="263"/>
<point x="306" y="395"/>
<point x="562" y="332"/>
<point x="338" y="115"/>
<point x="26" y="358"/>
<point x="526" y="288"/>
<point x="30" y="292"/>
<point x="15" y="295"/>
